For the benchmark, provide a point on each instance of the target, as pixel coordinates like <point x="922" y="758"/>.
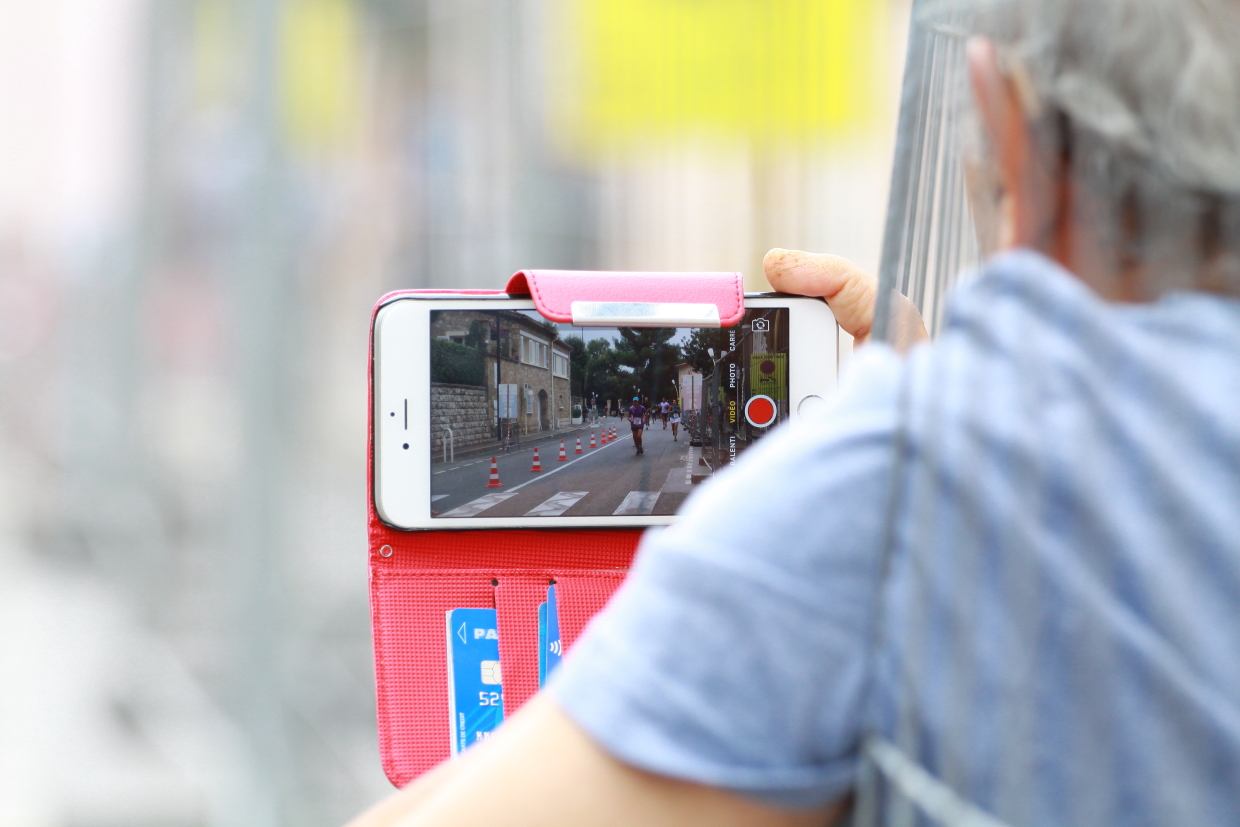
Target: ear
<point x="1031" y="197"/>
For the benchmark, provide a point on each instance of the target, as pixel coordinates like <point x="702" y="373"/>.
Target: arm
<point x="540" y="769"/>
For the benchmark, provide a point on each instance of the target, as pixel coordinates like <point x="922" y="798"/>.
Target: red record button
<point x="760" y="411"/>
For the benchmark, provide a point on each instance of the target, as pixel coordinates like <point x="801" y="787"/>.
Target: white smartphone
<point x="487" y="415"/>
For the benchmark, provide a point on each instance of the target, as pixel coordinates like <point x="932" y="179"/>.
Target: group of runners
<point x="641" y="413"/>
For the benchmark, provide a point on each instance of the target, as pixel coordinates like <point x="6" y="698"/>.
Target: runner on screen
<point x="637" y="421"/>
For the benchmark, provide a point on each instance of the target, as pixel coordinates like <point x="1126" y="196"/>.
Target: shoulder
<point x="1025" y="334"/>
<point x="1017" y="297"/>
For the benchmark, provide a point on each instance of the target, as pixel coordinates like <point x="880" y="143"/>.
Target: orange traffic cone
<point x="494" y="483"/>
<point x="563" y="456"/>
<point x="593" y="444"/>
<point x="537" y="463"/>
<point x="579" y="451"/>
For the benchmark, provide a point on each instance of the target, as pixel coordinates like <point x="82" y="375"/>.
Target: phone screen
<point x="530" y="418"/>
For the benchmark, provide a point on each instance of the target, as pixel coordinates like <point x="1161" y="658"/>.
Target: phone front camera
<point x="393" y="413"/>
<point x="405" y="446"/>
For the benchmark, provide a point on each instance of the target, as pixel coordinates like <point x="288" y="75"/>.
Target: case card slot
<point x="516" y="613"/>
<point x="580" y="598"/>
<point x="411" y="668"/>
<point x="644" y="314"/>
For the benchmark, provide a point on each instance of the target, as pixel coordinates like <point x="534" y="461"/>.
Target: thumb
<point x="848" y="289"/>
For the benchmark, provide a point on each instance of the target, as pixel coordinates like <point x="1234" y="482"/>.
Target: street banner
<point x="768" y="374"/>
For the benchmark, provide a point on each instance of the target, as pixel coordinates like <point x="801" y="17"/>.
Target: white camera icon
<point x="760" y="326"/>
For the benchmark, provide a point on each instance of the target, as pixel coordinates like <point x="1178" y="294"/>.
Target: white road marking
<point x="439" y="497"/>
<point x="557" y="505"/>
<point x="676" y="481"/>
<point x="462" y="465"/>
<point x="637" y="502"/>
<point x="479" y="505"/>
<point x="561" y="466"/>
<point x="515" y="450"/>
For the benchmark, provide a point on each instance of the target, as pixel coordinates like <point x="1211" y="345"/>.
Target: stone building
<point x="523" y="387"/>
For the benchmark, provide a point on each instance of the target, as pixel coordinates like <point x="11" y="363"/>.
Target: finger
<point x="848" y="289"/>
<point x="907" y="326"/>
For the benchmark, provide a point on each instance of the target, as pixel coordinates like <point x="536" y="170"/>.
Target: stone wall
<point x="466" y="410"/>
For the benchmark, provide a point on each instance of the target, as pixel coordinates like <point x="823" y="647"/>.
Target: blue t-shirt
<point x="1039" y="514"/>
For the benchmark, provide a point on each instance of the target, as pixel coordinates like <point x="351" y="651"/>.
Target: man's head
<point x="1111" y="136"/>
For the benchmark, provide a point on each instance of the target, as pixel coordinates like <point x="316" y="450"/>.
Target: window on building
<point x="561" y="365"/>
<point x="534" y="352"/>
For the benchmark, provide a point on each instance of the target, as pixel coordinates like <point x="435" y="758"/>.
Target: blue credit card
<point x="552" y="647"/>
<point x="542" y="644"/>
<point x="475" y="689"/>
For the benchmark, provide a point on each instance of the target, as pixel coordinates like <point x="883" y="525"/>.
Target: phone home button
<point x="811" y="405"/>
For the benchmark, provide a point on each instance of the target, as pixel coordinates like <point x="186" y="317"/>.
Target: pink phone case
<point x="416" y="576"/>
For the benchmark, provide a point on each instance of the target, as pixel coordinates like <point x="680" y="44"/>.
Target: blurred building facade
<point x="200" y="201"/>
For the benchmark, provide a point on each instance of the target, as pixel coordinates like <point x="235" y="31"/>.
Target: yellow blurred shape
<point x="214" y="61"/>
<point x="320" y="84"/>
<point x="761" y="70"/>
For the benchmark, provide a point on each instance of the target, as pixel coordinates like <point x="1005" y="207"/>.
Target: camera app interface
<point x="530" y="418"/>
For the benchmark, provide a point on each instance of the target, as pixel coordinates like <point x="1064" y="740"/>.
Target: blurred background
<point x="200" y="202"/>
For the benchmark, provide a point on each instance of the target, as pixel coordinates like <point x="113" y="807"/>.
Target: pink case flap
<point x="554" y="291"/>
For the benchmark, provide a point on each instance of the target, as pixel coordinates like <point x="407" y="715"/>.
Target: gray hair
<point x="1146" y="94"/>
<point x="1156" y="79"/>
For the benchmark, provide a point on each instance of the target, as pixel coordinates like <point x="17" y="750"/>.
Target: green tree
<point x="604" y="377"/>
<point x="579" y="360"/>
<point x="649" y="353"/>
<point x="455" y="364"/>
<point x="696" y="349"/>
<point x="479" y="334"/>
